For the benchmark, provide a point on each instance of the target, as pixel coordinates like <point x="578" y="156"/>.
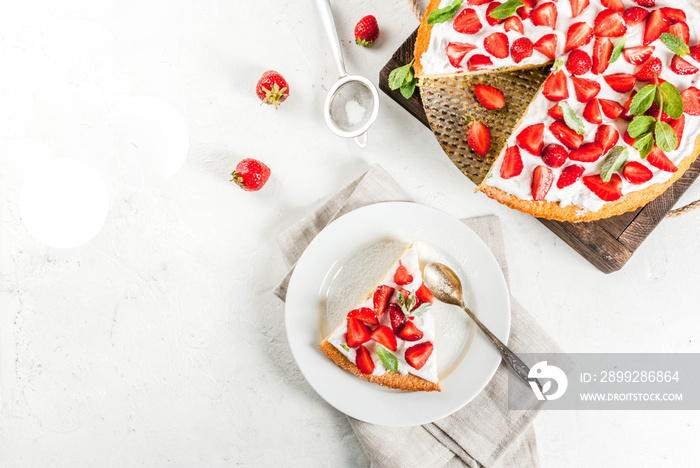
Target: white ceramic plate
<point x="447" y="240"/>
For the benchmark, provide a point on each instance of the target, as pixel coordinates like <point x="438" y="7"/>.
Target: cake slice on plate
<point x="388" y="338"/>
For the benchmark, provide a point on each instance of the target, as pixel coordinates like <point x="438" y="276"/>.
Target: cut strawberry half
<point x="681" y="67"/>
<point x="614" y="5"/>
<point x="521" y="49"/>
<point x="489" y="97"/>
<point x="646" y="73"/>
<point x="638" y="55"/>
<point x="478" y="62"/>
<point x="547" y="45"/>
<point x="385" y="337"/>
<point x="402" y="276"/>
<point x="645" y="3"/>
<point x="588" y="152"/>
<point x="467" y="22"/>
<point x="577" y="7"/>
<point x="628" y="139"/>
<point x="606" y="191"/>
<point x="416" y="356"/>
<point x="569" y="175"/>
<point x="626" y="107"/>
<point x="530" y="138"/>
<point x="492" y="21"/>
<point x="678" y="125"/>
<point x="635" y="15"/>
<point x="479" y="138"/>
<point x="695" y="52"/>
<point x="659" y="160"/>
<point x="636" y="173"/>
<point x="424" y="294"/>
<point x="607" y="136"/>
<point x="578" y="35"/>
<point x="592" y="112"/>
<point x="545" y="15"/>
<point x="363" y="360"/>
<point x="620" y="82"/>
<point x="542" y="179"/>
<point x="525" y="11"/>
<point x="364" y="314"/>
<point x="396" y="317"/>
<point x="611" y="109"/>
<point x="568" y="137"/>
<point x="654" y="111"/>
<point x="691" y="101"/>
<point x="478" y="2"/>
<point x="556" y="113"/>
<point x="512" y="165"/>
<point x="456" y="52"/>
<point x="585" y="89"/>
<point x="602" y="51"/>
<point x="497" y="45"/>
<point x="381" y="297"/>
<point x="656" y="24"/>
<point x="555" y="87"/>
<point x="674" y="15"/>
<point x="609" y="23"/>
<point x="357" y="333"/>
<point x="681" y="30"/>
<point x="554" y="155"/>
<point x="514" y="24"/>
<point x="410" y="332"/>
<point x="578" y="62"/>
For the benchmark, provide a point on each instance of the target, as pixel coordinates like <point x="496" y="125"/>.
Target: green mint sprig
<point x="675" y="44"/>
<point x="404" y="79"/>
<point x="617" y="157"/>
<point x="444" y="14"/>
<point x="572" y="120"/>
<point x="617" y="50"/>
<point x="407" y="305"/>
<point x="506" y="10"/>
<point x="389" y="361"/>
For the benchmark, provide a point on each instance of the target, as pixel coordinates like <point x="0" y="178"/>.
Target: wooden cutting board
<point x="608" y="243"/>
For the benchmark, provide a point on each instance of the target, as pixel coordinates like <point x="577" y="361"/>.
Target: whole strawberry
<point x="272" y="88"/>
<point x="366" y="31"/>
<point x="251" y="175"/>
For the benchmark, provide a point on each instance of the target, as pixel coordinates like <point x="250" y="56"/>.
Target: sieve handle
<point x="324" y="9"/>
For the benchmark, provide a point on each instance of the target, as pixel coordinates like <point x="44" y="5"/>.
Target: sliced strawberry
<point x="381" y="298"/>
<point x="497" y="45"/>
<point x="525" y="11"/>
<point x="607" y="136"/>
<point x="456" y="52"/>
<point x="681" y="30"/>
<point x="478" y="62"/>
<point x="545" y="15"/>
<point x="659" y="160"/>
<point x="636" y="173"/>
<point x="569" y="175"/>
<point x="592" y="112"/>
<point x="512" y="164"/>
<point x="424" y="295"/>
<point x="410" y="332"/>
<point x="609" y="23"/>
<point x="620" y="82"/>
<point x="402" y="276"/>
<point x="514" y="24"/>
<point x="654" y="111"/>
<point x="479" y="138"/>
<point x="614" y="5"/>
<point x="416" y="356"/>
<point x="646" y="73"/>
<point x="606" y="191"/>
<point x="489" y="97"/>
<point x="556" y="113"/>
<point x="656" y="24"/>
<point x="681" y="67"/>
<point x="695" y="52"/>
<point x="363" y="360"/>
<point x="477" y="2"/>
<point x="542" y="179"/>
<point x="638" y="55"/>
<point x="674" y="15"/>
<point x="385" y="337"/>
<point x="555" y="87"/>
<point x="563" y="133"/>
<point x="364" y="314"/>
<point x="585" y="89"/>
<point x="521" y="49"/>
<point x="611" y="109"/>
<point x="678" y="125"/>
<point x="492" y="21"/>
<point x="530" y="138"/>
<point x="691" y="101"/>
<point x="578" y="62"/>
<point x="554" y="155"/>
<point x="578" y="35"/>
<point x="547" y="45"/>
<point x="602" y="50"/>
<point x="396" y="317"/>
<point x="635" y="15"/>
<point x="588" y="152"/>
<point x="467" y="22"/>
<point x="628" y="139"/>
<point x="577" y="7"/>
<point x="645" y="3"/>
<point x="357" y="333"/>
<point x="626" y="107"/>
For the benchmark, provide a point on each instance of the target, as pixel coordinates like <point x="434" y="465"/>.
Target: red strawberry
<point x="563" y="133"/>
<point x="363" y="361"/>
<point x="636" y="173"/>
<point x="611" y="109"/>
<point x="364" y="314"/>
<point x="514" y="24"/>
<point x="497" y="45"/>
<point x="512" y="165"/>
<point x="547" y="45"/>
<point x="554" y="155"/>
<point x="525" y="11"/>
<point x="678" y="125"/>
<point x="645" y="3"/>
<point x="381" y="297"/>
<point x="479" y="138"/>
<point x="424" y="295"/>
<point x="695" y="52"/>
<point x="635" y="15"/>
<point x="272" y="88"/>
<point x="681" y="30"/>
<point x="654" y="112"/>
<point x="521" y="49"/>
<point x="250" y="175"/>
<point x="614" y="5"/>
<point x="681" y="67"/>
<point x="477" y="2"/>
<point x="410" y="332"/>
<point x="588" y="152"/>
<point x="357" y="333"/>
<point x="626" y="108"/>
<point x="585" y="89"/>
<point x="578" y="35"/>
<point x="478" y="62"/>
<point x="602" y="50"/>
<point x="569" y="175"/>
<point x="607" y="136"/>
<point x="609" y="23"/>
<point x="592" y="112"/>
<point x="556" y="113"/>
<point x="467" y="22"/>
<point x="620" y="82"/>
<point x="638" y="55"/>
<point x="542" y="179"/>
<point x="402" y="276"/>
<point x="577" y="7"/>
<point x="659" y="160"/>
<point x="530" y="138"/>
<point x="691" y="101"/>
<point x="366" y="31"/>
<point x="385" y="337"/>
<point x="628" y="139"/>
<point x="492" y="21"/>
<point x="545" y="15"/>
<point x="646" y="73"/>
<point x="416" y="356"/>
<point x="456" y="52"/>
<point x="606" y="191"/>
<point x="674" y="15"/>
<point x="656" y="24"/>
<point x="578" y="62"/>
<point x="555" y="87"/>
<point x="396" y="317"/>
<point x="489" y="97"/>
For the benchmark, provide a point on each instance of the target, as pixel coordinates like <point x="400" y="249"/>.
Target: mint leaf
<point x="617" y="50"/>
<point x="557" y="65"/>
<point x="389" y="361"/>
<point x="572" y="120"/>
<point x="641" y="125"/>
<point x="644" y="144"/>
<point x="409" y="88"/>
<point x="444" y="14"/>
<point x="345" y="348"/>
<point x="672" y="100"/>
<point x="407" y="304"/>
<point x="675" y="43"/>
<point x="665" y="136"/>
<point x="423" y="308"/>
<point x="506" y="10"/>
<point x="617" y="157"/>
<point x="641" y="102"/>
<point x="400" y="76"/>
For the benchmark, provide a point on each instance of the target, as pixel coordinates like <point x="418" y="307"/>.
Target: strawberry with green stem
<point x="478" y="136"/>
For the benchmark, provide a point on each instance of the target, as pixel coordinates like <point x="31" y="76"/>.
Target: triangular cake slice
<point x="388" y="338"/>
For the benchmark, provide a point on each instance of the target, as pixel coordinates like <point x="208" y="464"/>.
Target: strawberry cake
<point x="616" y="122"/>
<point x="388" y="338"/>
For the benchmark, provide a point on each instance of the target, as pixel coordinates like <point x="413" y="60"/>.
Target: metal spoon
<point x="447" y="288"/>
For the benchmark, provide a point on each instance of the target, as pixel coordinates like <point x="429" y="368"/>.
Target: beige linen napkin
<point x="483" y="433"/>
